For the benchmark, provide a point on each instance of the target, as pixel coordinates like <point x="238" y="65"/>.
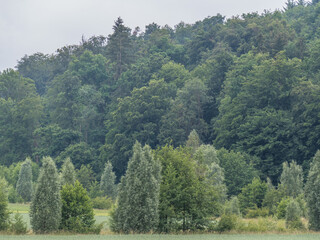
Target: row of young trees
<point x="171" y="189"/>
<point x="191" y="191"/>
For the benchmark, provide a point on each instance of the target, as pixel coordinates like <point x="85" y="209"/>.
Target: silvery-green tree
<point x="107" y="183"/>
<point x="45" y="208"/>
<point x="293" y="215"/>
<point x="138" y="199"/>
<point x="193" y="141"/>
<point x="313" y="193"/>
<point x="292" y="179"/>
<point x="68" y="174"/>
<point x="24" y="184"/>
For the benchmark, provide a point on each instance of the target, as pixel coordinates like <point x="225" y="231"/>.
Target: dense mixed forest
<point x="248" y="85"/>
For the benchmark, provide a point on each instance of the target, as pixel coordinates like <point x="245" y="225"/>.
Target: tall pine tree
<point x="24" y="184"/>
<point x="107" y="183"/>
<point x="68" y="174"/>
<point x="138" y="200"/>
<point x="45" y="208"/>
<point x="313" y="193"/>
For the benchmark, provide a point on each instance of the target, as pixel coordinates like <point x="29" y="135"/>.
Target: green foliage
<point x="20" y="112"/>
<point x="257" y="212"/>
<point x="313" y="193"/>
<point x="291" y="179"/>
<point x="80" y="154"/>
<point x="186" y="113"/>
<point x="119" y="47"/>
<point x="186" y="198"/>
<point x="252" y="195"/>
<point x="18" y="226"/>
<point x="227" y="223"/>
<point x="24" y="184"/>
<point x="102" y="203"/>
<point x="193" y="141"/>
<point x="77" y="212"/>
<point x="272" y="198"/>
<point x="4" y="212"/>
<point x="282" y="208"/>
<point x="138" y="197"/>
<point x="38" y="67"/>
<point x="232" y="207"/>
<point x="255" y="117"/>
<point x="45" y="208"/>
<point x="238" y="170"/>
<point x="107" y="183"/>
<point x="136" y="117"/>
<point x="68" y="174"/>
<point x="85" y="176"/>
<point x="293" y="215"/>
<point x="52" y="140"/>
<point x="13" y="196"/>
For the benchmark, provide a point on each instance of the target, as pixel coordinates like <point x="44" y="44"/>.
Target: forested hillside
<point x="248" y="85"/>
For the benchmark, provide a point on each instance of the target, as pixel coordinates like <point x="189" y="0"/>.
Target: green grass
<point x="169" y="237"/>
<point x="101" y="216"/>
<point x="19" y="207"/>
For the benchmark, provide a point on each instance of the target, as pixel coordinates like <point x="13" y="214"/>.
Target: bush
<point x="293" y="215"/>
<point x="232" y="207"/>
<point x="13" y="196"/>
<point x="257" y="212"/>
<point x="102" y="203"/>
<point x="227" y="223"/>
<point x="77" y="211"/>
<point x="18" y="226"/>
<point x="282" y="208"/>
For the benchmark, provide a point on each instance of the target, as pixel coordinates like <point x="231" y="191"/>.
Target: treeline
<point x="249" y="86"/>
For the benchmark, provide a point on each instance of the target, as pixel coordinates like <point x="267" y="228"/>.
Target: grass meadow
<point x="102" y="216"/>
<point x="169" y="237"/>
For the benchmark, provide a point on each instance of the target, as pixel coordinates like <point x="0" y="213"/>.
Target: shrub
<point x="18" y="226"/>
<point x="257" y="212"/>
<point x="293" y="215"/>
<point x="227" y="223"/>
<point x="13" y="196"/>
<point x="102" y="203"/>
<point x="232" y="207"/>
<point x="282" y="208"/>
<point x="77" y="211"/>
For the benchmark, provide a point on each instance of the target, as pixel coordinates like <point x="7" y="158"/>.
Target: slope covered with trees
<point x="249" y="86"/>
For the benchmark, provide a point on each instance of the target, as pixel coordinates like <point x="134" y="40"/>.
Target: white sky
<point x="30" y="26"/>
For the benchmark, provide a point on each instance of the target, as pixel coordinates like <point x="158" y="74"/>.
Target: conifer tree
<point x="292" y="179"/>
<point x="45" y="208"/>
<point x="313" y="193"/>
<point x="107" y="183"/>
<point x="68" y="174"/>
<point x="193" y="141"/>
<point x="4" y="212"/>
<point x="293" y="215"/>
<point x="120" y="47"/>
<point x="24" y="184"/>
<point x="138" y="200"/>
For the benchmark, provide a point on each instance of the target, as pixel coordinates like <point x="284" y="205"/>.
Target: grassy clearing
<point x="24" y="208"/>
<point x="101" y="216"/>
<point x="169" y="237"/>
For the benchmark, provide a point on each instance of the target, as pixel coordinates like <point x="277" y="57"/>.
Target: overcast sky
<point x="30" y="26"/>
